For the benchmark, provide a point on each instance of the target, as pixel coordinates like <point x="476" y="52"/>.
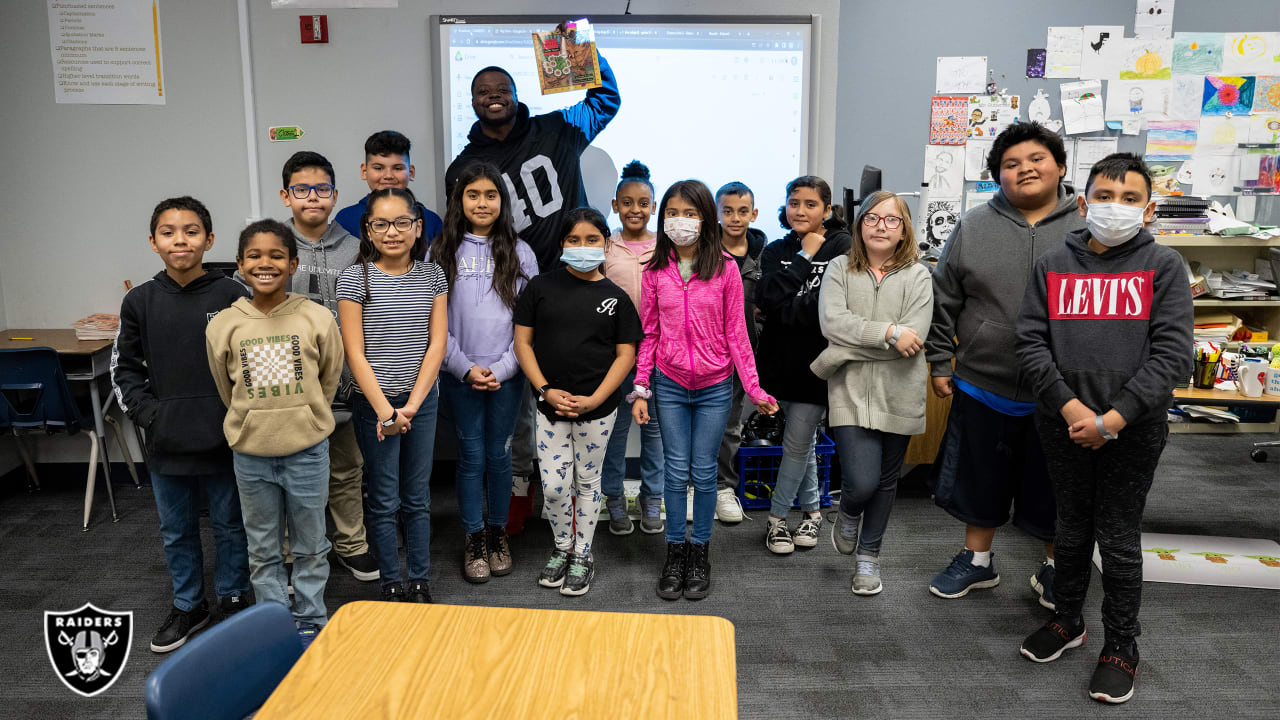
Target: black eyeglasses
<point x="378" y="226"/>
<point x="892" y="222"/>
<point x="301" y="192"/>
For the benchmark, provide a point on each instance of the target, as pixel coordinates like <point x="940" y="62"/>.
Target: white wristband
<point x="897" y="333"/>
<point x="1102" y="429"/>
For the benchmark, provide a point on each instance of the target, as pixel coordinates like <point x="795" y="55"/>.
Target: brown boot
<point x="499" y="551"/>
<point x="475" y="558"/>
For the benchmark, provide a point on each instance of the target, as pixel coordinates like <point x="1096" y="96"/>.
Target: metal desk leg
<point x="101" y="439"/>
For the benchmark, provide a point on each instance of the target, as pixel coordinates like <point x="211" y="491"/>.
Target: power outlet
<point x="314" y="28"/>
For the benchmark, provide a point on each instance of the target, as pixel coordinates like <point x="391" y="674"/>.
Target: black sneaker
<point x="307" y="633"/>
<point x="363" y="566"/>
<point x="552" y="574"/>
<point x="418" y="592"/>
<point x="1112" y="680"/>
<point x="697" y="572"/>
<point x="393" y="592"/>
<point x="1048" y="643"/>
<point x="178" y="627"/>
<point x="577" y="579"/>
<point x="671" y="581"/>
<point x="233" y="604"/>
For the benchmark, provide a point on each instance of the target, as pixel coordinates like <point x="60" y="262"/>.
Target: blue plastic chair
<point x="228" y="671"/>
<point x="34" y="395"/>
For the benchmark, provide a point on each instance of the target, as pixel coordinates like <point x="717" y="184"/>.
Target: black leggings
<point x="870" y="461"/>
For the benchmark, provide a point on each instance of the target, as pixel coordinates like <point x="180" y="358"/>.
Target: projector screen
<point x="717" y="99"/>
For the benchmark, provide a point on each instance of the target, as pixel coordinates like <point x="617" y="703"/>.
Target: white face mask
<point x="683" y="231"/>
<point x="1114" y="224"/>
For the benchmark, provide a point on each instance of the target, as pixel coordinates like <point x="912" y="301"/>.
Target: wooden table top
<point x="400" y="660"/>
<point x="63" y="340"/>
<point x="1201" y="396"/>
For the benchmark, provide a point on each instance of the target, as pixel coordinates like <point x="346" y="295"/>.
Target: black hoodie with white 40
<point x="1112" y="329"/>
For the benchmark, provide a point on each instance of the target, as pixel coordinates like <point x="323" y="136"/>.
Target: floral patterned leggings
<point x="571" y="457"/>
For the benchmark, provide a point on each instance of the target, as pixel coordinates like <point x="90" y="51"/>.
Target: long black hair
<point x="708" y="259"/>
<point x="820" y="186"/>
<point x="368" y="252"/>
<point x="507" y="272"/>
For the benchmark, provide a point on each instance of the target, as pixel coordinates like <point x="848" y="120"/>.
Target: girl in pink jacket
<point x="695" y="335"/>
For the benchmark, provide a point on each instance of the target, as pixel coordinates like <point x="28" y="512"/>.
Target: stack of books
<point x="1180" y="215"/>
<point x="98" y="326"/>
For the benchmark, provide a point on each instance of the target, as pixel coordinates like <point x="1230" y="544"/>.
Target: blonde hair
<point x="905" y="254"/>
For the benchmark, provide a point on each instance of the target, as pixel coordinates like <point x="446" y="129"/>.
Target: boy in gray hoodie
<point x="990" y="456"/>
<point x="1104" y="335"/>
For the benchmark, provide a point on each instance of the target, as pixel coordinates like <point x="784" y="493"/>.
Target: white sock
<point x="981" y="559"/>
<point x="1049" y="562"/>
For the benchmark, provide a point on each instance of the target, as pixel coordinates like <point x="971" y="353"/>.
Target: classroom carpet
<point x="806" y="646"/>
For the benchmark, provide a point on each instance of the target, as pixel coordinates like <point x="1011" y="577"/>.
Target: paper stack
<point x="1180" y="215"/>
<point x="98" y="326"/>
<point x="1216" y="327"/>
<point x="1236" y="284"/>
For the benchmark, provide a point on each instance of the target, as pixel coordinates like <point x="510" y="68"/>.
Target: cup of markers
<point x="1207" y="355"/>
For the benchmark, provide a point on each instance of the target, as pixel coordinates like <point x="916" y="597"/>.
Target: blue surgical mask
<point x="583" y="259"/>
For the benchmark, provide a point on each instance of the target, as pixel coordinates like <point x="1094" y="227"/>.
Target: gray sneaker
<point x="866" y="581"/>
<point x="844" y="533"/>
<point x="651" y="516"/>
<point x="619" y="522"/>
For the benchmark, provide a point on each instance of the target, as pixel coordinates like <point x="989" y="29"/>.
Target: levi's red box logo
<point x="1100" y="296"/>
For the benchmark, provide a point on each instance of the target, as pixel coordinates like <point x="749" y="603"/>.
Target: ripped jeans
<point x="484" y="421"/>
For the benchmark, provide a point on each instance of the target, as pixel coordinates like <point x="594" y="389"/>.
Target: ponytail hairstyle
<point x="637" y="172"/>
<point x="507" y="272"/>
<point x="905" y="254"/>
<point x="835" y="222"/>
<point x="708" y="259"/>
<point x="368" y="252"/>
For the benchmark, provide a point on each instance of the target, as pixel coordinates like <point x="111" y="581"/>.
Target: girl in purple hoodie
<point x="695" y="335"/>
<point x="487" y="267"/>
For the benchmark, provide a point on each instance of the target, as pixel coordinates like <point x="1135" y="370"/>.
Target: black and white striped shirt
<point x="396" y="319"/>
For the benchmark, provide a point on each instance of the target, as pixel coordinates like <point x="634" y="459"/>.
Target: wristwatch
<point x="389" y="421"/>
<point x="543" y="391"/>
<point x="1102" y="429"/>
<point x="897" y="333"/>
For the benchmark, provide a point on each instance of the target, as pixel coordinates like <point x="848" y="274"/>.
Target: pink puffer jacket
<point x="696" y="330"/>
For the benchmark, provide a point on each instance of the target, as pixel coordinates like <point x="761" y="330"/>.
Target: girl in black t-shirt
<point x="575" y="339"/>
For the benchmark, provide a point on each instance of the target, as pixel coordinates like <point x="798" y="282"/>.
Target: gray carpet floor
<point x="806" y="647"/>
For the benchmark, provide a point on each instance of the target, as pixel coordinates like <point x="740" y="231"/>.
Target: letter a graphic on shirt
<point x="1100" y="296"/>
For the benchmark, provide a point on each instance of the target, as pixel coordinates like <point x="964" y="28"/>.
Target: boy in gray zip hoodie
<point x="990" y="456"/>
<point x="324" y="250"/>
<point x="1105" y="334"/>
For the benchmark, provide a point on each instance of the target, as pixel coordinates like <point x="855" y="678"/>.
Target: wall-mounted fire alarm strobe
<point x="314" y="28"/>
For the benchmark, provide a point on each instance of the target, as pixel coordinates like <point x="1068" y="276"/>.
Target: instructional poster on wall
<point x="106" y="53"/>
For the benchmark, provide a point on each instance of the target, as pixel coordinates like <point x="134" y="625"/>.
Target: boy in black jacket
<point x="161" y="379"/>
<point x="1105" y="333"/>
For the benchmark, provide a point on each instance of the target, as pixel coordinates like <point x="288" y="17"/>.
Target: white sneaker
<point x="728" y="507"/>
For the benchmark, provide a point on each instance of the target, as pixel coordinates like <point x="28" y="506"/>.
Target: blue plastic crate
<point x="758" y="473"/>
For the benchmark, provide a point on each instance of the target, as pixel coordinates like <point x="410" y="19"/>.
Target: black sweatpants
<point x="1100" y="496"/>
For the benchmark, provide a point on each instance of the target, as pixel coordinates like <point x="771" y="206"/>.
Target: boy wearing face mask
<point x="1105" y="334"/>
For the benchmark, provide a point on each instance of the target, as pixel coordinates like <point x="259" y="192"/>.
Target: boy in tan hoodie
<point x="277" y="360"/>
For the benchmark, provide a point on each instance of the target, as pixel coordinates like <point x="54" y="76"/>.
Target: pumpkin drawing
<point x="1149" y="63"/>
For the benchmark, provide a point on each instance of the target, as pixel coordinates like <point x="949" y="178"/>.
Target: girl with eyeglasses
<point x="394" y="318"/>
<point x="876" y="305"/>
<point x="791" y="271"/>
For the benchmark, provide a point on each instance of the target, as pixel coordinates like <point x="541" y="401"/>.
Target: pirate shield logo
<point x="88" y="647"/>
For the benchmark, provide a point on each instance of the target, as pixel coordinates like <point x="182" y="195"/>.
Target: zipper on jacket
<point x="688" y="341"/>
<point x="875" y="304"/>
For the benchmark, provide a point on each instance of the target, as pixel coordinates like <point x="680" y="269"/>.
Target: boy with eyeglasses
<point x="386" y="164"/>
<point x="324" y="249"/>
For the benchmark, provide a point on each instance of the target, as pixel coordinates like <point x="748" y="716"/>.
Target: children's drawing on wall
<point x="944" y="171"/>
<point x="1227" y="95"/>
<point x="1187" y="97"/>
<point x="975" y="159"/>
<point x="1264" y="129"/>
<point x="1215" y="171"/>
<point x="1095" y="51"/>
<point x="1038" y="111"/>
<point x="1197" y="53"/>
<point x="1153" y="19"/>
<point x="1138" y="59"/>
<point x="948" y="120"/>
<point x="1251" y="53"/>
<point x="1062" y="52"/>
<point x="990" y="114"/>
<point x="961" y="74"/>
<point x="1082" y="106"/>
<point x="940" y="218"/>
<point x="1171" y="140"/>
<point x="1223" y="130"/>
<point x="1129" y="99"/>
<point x="1035" y="62"/>
<point x="1260" y="169"/>
<point x="1266" y="94"/>
<point x="1164" y="179"/>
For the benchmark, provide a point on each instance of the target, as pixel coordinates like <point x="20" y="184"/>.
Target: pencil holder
<point x="1205" y="371"/>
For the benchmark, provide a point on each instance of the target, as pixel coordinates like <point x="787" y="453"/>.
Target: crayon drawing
<point x="1251" y="53"/>
<point x="1035" y="62"/>
<point x="1266" y="94"/>
<point x="1139" y="59"/>
<point x="1130" y="99"/>
<point x="1264" y="129"/>
<point x="1227" y="95"/>
<point x="1221" y="130"/>
<point x="949" y="120"/>
<point x="1082" y="106"/>
<point x="1169" y="140"/>
<point x="1197" y="53"/>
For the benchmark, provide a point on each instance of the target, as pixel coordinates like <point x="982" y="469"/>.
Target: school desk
<point x="401" y="660"/>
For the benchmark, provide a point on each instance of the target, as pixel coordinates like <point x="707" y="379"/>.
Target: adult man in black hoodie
<point x="1105" y="334"/>
<point x="161" y="379"/>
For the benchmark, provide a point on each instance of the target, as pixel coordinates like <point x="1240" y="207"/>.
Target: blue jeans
<point x="798" y="470"/>
<point x="178" y="503"/>
<point x="399" y="478"/>
<point x="293" y="489"/>
<point x="615" y="456"/>
<point x="693" y="423"/>
<point x="484" y="421"/>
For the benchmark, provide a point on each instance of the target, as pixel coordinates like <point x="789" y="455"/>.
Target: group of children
<point x="664" y="329"/>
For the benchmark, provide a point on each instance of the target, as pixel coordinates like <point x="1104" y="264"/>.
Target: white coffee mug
<point x="1273" y="381"/>
<point x="1253" y="377"/>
